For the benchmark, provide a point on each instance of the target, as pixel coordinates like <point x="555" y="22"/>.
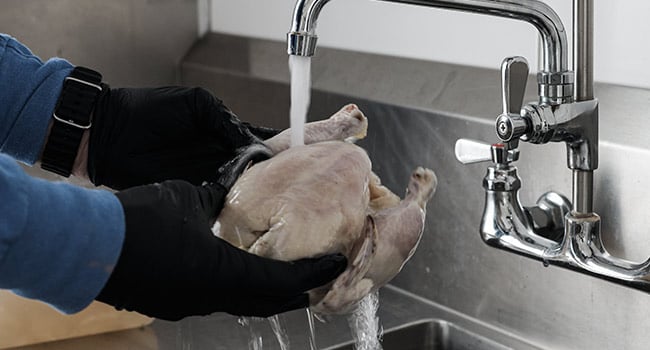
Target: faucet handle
<point x="514" y="76"/>
<point x="470" y="151"/>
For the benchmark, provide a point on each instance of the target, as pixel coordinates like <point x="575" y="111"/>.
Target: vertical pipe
<point x="583" y="66"/>
<point x="583" y="189"/>
<point x="583" y="49"/>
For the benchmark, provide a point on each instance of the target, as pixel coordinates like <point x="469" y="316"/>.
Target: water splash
<point x="364" y="323"/>
<point x="300" y="68"/>
<point x="255" y="341"/>
<point x="280" y="331"/>
<point x="312" y="330"/>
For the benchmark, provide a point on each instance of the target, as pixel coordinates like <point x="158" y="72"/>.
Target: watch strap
<point x="72" y="116"/>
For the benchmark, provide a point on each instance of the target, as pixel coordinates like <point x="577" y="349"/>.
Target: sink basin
<point x="430" y="335"/>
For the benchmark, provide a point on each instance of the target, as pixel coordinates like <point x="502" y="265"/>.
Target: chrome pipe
<point x="305" y="15"/>
<point x="583" y="65"/>
<point x="537" y="13"/>
<point x="583" y="188"/>
<point x="507" y="225"/>
<point x="302" y="37"/>
<point x="555" y="81"/>
<point x="583" y="49"/>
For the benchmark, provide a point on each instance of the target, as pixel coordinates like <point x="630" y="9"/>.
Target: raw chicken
<point x="323" y="198"/>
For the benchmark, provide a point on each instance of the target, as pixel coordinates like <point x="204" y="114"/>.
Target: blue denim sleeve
<point x="58" y="242"/>
<point x="29" y="89"/>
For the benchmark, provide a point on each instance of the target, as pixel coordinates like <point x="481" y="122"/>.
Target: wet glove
<point x="172" y="266"/>
<point x="147" y="135"/>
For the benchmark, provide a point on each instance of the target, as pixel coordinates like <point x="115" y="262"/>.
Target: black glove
<point x="172" y="266"/>
<point x="246" y="156"/>
<point x="147" y="135"/>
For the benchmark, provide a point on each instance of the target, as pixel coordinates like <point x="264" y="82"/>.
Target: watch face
<point x="76" y="102"/>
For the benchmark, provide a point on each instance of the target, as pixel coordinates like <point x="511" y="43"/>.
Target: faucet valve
<point x="511" y="127"/>
<point x="541" y="227"/>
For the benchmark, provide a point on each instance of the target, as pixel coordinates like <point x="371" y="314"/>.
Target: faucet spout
<point x="301" y="39"/>
<point x="555" y="80"/>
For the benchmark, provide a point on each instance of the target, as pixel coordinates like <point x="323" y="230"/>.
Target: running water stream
<point x="364" y="322"/>
<point x="300" y="68"/>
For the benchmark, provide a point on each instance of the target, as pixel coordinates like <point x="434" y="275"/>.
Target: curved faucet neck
<point x="537" y="13"/>
<point x="555" y="81"/>
<point x="305" y="15"/>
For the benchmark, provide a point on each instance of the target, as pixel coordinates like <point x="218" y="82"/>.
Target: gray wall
<point x="416" y="112"/>
<point x="132" y="42"/>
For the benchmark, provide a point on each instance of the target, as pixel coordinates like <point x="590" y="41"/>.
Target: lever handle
<point x="514" y="75"/>
<point x="470" y="151"/>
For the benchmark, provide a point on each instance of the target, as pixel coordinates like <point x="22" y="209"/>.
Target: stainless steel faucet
<point x="555" y="230"/>
<point x="555" y="81"/>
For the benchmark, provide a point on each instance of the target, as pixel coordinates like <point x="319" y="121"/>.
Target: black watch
<point x="72" y="116"/>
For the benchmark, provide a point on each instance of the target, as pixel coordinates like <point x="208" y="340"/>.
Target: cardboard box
<point x="25" y="322"/>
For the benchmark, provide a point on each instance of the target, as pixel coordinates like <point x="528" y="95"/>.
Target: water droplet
<point x="545" y="263"/>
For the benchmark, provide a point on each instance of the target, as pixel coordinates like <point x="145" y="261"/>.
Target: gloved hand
<point x="246" y="156"/>
<point x="172" y="266"/>
<point x="147" y="135"/>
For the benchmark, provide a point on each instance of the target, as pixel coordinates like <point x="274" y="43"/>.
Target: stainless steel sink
<point x="431" y="334"/>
